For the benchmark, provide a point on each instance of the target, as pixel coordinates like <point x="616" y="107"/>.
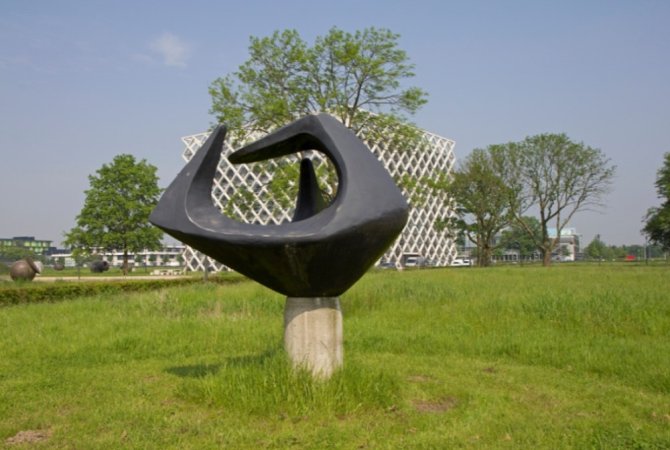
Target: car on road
<point x="460" y="261"/>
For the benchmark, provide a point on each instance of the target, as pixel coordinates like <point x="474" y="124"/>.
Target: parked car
<point x="460" y="261"/>
<point x="415" y="261"/>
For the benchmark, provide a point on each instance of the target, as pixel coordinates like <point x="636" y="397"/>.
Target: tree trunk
<point x="125" y="263"/>
<point x="484" y="257"/>
<point x="546" y="257"/>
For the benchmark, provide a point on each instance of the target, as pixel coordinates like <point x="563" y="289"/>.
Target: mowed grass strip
<point x="567" y="357"/>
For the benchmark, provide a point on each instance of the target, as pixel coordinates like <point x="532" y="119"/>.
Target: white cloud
<point x="173" y="50"/>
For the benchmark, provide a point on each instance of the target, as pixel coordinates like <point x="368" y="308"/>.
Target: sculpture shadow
<point x="194" y="371"/>
<point x="203" y="370"/>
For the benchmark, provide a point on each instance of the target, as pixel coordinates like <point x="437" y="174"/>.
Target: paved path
<point x="117" y="278"/>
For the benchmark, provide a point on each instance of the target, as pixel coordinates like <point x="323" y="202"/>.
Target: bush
<point x="18" y="293"/>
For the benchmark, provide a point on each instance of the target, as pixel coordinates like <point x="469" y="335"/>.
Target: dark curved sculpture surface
<point x="325" y="249"/>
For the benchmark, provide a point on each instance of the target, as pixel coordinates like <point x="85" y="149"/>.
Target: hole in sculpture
<point x="265" y="193"/>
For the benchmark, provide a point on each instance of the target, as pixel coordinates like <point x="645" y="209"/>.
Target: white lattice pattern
<point x="433" y="156"/>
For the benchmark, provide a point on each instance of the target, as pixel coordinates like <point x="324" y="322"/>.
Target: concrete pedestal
<point x="313" y="334"/>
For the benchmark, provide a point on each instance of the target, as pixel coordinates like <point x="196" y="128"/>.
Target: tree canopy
<point x="657" y="227"/>
<point x="597" y="250"/>
<point x="481" y="198"/>
<point x="557" y="177"/>
<point x="116" y="210"/>
<point x="14" y="253"/>
<point x="357" y="77"/>
<point x="348" y="75"/>
<point x="518" y="237"/>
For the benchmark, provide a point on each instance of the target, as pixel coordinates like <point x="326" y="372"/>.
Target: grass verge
<point x="571" y="357"/>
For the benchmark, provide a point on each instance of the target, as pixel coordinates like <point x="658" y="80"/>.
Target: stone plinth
<point x="313" y="334"/>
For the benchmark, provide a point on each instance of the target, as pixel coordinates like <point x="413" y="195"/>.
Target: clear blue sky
<point x="82" y="81"/>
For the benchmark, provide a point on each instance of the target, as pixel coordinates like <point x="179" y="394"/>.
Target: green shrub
<point x="17" y="293"/>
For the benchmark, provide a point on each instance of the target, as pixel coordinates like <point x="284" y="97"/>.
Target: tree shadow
<point x="203" y="370"/>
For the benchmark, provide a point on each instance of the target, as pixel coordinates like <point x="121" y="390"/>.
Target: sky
<point x="84" y="81"/>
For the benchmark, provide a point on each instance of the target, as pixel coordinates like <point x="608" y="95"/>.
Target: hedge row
<point x="52" y="292"/>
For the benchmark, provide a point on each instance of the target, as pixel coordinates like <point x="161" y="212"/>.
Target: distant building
<point x="568" y="247"/>
<point x="168" y="256"/>
<point x="37" y="246"/>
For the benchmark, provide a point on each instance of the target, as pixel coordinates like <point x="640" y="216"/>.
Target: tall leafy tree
<point x="349" y="75"/>
<point x="116" y="210"/>
<point x="657" y="227"/>
<point x="482" y="200"/>
<point x="558" y="178"/>
<point x="357" y="77"/>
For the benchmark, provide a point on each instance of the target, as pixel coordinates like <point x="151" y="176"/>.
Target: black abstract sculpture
<point x="326" y="248"/>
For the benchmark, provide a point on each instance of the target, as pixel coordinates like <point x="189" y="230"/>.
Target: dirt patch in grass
<point x="419" y="378"/>
<point x="28" y="437"/>
<point x="442" y="405"/>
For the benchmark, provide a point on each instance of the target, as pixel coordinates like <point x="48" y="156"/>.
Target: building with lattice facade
<point x="37" y="246"/>
<point x="423" y="240"/>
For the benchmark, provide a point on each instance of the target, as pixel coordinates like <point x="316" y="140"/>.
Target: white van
<point x="461" y="261"/>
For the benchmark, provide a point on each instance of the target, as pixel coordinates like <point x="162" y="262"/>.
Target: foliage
<point x="558" y="177"/>
<point x="115" y="215"/>
<point x="14" y="253"/>
<point x="482" y="198"/>
<point x="576" y="357"/>
<point x="347" y="75"/>
<point x="657" y="227"/>
<point x="45" y="292"/>
<point x="644" y="251"/>
<point x="517" y="237"/>
<point x="353" y="76"/>
<point x="596" y="249"/>
<point x="282" y="188"/>
<point x="600" y="251"/>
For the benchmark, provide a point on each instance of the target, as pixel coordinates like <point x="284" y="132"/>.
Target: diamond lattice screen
<point x="432" y="157"/>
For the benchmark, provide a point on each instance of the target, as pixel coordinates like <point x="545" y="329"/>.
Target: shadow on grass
<point x="194" y="371"/>
<point x="202" y="370"/>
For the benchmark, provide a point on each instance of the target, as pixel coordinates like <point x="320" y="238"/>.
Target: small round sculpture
<point x="24" y="270"/>
<point x="99" y="266"/>
<point x="59" y="266"/>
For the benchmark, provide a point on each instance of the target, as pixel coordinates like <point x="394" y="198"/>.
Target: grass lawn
<point x="566" y="357"/>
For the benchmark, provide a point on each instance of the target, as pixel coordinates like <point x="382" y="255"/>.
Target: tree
<point x="482" y="200"/>
<point x="597" y="250"/>
<point x="657" y="227"/>
<point x="344" y="74"/>
<point x="356" y="77"/>
<point x="558" y="177"/>
<point x="14" y="253"/>
<point x="519" y="238"/>
<point x="115" y="215"/>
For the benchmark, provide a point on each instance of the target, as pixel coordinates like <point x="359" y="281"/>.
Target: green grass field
<point x="566" y="357"/>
